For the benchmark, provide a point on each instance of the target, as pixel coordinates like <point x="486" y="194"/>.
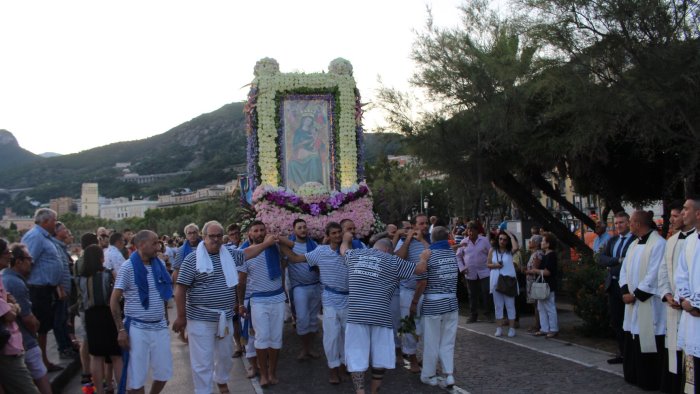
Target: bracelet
<point x="122" y="329"/>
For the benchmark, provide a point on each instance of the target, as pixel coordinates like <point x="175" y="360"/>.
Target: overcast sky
<point x="80" y="74"/>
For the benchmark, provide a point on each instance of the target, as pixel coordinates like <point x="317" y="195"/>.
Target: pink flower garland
<point x="353" y="205"/>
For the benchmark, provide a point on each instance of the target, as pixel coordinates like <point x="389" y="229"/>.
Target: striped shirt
<point x="441" y="288"/>
<point x="132" y="302"/>
<point x="301" y="273"/>
<point x="334" y="274"/>
<point x="259" y="280"/>
<point x="179" y="256"/>
<point x="414" y="250"/>
<point x="373" y="279"/>
<point x="207" y="290"/>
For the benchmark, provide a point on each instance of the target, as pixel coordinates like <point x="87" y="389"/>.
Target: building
<point x="133" y="177"/>
<point x="121" y="208"/>
<point x="89" y="200"/>
<point x="23" y="223"/>
<point x="197" y="196"/>
<point x="62" y="205"/>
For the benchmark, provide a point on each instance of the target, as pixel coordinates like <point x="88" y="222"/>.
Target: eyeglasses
<point x="502" y="239"/>
<point x="192" y="233"/>
<point x="215" y="236"/>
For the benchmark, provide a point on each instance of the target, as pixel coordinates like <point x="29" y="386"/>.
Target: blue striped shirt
<point x="179" y="256"/>
<point x="208" y="290"/>
<point x="414" y="250"/>
<point x="301" y="273"/>
<point x="441" y="277"/>
<point x="334" y="274"/>
<point x="259" y="280"/>
<point x="132" y="302"/>
<point x="47" y="266"/>
<point x="373" y="277"/>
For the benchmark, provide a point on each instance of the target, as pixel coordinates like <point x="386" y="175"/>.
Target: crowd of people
<point x="377" y="303"/>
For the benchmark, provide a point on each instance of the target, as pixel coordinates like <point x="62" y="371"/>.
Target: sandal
<point x="237" y="353"/>
<point x="552" y="335"/>
<point x="540" y="334"/>
<point x="53" y="367"/>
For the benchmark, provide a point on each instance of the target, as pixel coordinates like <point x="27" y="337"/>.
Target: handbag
<point x="4" y="336"/>
<point x="507" y="285"/>
<point x="539" y="289"/>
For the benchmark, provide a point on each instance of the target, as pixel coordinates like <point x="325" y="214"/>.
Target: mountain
<point x="11" y="154"/>
<point x="212" y="146"/>
<point x="49" y="154"/>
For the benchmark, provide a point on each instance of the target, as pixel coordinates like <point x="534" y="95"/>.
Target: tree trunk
<point x="539" y="181"/>
<point x="528" y="203"/>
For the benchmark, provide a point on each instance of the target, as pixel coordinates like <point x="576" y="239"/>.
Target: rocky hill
<point x="13" y="155"/>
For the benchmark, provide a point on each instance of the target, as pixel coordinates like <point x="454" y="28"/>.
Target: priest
<point x="645" y="319"/>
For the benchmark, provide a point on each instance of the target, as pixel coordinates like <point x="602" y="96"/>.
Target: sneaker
<point x="449" y="381"/>
<point x="431" y="381"/>
<point x="499" y="332"/>
<point x="511" y="332"/>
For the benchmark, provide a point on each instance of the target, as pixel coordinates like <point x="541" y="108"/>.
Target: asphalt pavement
<point x="483" y="364"/>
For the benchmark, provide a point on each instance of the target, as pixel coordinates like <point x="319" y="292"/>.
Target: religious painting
<point x="306" y="137"/>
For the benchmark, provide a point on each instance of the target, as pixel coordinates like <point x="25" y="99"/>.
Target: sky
<point x="79" y="74"/>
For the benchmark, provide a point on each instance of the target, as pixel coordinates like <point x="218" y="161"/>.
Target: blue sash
<point x="267" y="293"/>
<point x="335" y="291"/>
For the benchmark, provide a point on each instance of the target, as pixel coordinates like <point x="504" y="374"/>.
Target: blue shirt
<point x="47" y="267"/>
<point x="600" y="241"/>
<point x="65" y="261"/>
<point x="14" y="284"/>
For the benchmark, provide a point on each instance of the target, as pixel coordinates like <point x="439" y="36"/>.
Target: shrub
<point x="586" y="285"/>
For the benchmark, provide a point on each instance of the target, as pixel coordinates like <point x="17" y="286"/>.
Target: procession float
<point x="305" y="149"/>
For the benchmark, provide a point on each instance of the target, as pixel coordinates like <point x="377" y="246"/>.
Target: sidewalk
<point x="556" y="347"/>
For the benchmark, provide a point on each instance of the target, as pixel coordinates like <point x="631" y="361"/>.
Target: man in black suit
<point x="611" y="258"/>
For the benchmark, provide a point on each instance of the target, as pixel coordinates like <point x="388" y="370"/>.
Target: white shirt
<point x="113" y="259"/>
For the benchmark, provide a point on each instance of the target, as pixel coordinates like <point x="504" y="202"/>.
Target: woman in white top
<point x="500" y="261"/>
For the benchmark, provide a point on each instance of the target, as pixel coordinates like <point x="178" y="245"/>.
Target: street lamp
<point x="426" y="203"/>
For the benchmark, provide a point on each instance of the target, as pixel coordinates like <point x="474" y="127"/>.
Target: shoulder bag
<point x="539" y="289"/>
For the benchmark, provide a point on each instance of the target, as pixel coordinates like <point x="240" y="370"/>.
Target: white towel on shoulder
<point x="205" y="265"/>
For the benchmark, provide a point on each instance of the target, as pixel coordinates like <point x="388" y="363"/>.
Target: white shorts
<point x="149" y="348"/>
<point x="34" y="362"/>
<point x="307" y="305"/>
<point x="268" y="322"/>
<point x="334" y="322"/>
<point x="363" y="342"/>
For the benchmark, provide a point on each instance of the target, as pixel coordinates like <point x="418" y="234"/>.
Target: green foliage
<point x="585" y="283"/>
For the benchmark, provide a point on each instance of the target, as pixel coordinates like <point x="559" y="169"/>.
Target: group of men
<point x="654" y="295"/>
<point x="223" y="289"/>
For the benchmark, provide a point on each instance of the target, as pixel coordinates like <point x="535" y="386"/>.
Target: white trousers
<point x="499" y="300"/>
<point x="364" y="342"/>
<point x="439" y="333"/>
<point x="548" y="314"/>
<point x="307" y="305"/>
<point x="409" y="342"/>
<point x="396" y="317"/>
<point x="268" y="322"/>
<point x="334" y="322"/>
<point x="210" y="357"/>
<point x="148" y="349"/>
